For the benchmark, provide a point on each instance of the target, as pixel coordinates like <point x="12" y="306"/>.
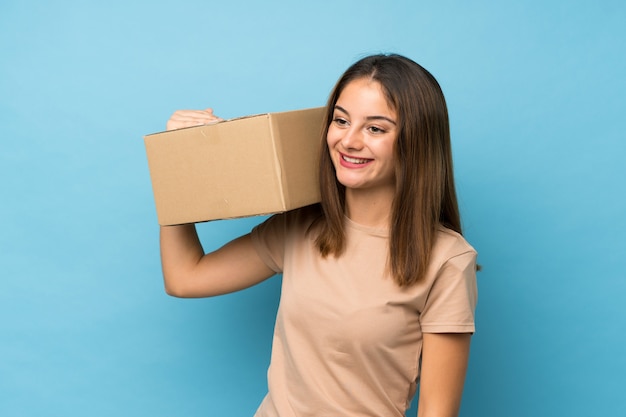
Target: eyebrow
<point x="369" y="117"/>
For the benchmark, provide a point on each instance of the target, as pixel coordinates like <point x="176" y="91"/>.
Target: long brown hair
<point x="425" y="196"/>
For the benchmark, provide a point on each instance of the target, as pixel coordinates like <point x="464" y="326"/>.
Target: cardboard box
<point x="242" y="167"/>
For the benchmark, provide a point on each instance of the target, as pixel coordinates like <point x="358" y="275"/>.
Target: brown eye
<point x="340" y="122"/>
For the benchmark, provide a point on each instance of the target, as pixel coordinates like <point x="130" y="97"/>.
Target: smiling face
<point x="361" y="138"/>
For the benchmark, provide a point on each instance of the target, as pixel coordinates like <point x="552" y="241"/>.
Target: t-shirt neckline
<point x="374" y="231"/>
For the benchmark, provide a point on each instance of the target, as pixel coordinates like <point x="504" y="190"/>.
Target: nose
<point x="352" y="139"/>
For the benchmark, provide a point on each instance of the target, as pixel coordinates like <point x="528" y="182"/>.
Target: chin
<point x="352" y="184"/>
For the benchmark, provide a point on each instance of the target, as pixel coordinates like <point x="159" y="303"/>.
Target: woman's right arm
<point x="187" y="270"/>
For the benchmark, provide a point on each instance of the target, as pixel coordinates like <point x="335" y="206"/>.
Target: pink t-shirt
<point x="348" y="339"/>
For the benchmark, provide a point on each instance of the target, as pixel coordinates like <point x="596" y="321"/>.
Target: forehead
<point x="365" y="94"/>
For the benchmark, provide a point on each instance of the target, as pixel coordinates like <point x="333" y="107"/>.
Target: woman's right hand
<point x="190" y="118"/>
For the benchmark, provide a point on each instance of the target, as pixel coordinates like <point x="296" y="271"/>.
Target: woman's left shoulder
<point x="450" y="244"/>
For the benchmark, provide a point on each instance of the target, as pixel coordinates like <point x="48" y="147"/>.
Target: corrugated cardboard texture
<point x="242" y="167"/>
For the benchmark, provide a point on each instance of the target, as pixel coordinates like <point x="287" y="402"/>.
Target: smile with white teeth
<point x="354" y="160"/>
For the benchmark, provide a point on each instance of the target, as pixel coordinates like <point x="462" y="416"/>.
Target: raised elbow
<point x="175" y="289"/>
<point x="173" y="292"/>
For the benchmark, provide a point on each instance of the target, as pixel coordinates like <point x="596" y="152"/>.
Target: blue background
<point x="536" y="93"/>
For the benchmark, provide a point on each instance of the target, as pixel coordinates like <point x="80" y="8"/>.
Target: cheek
<point x="332" y="138"/>
<point x="381" y="148"/>
<point x="390" y="148"/>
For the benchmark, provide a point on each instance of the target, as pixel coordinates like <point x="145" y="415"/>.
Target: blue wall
<point x="536" y="93"/>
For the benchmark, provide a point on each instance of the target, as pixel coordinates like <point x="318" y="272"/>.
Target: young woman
<point x="379" y="286"/>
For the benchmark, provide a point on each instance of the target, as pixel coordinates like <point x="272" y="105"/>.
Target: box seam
<point x="275" y="135"/>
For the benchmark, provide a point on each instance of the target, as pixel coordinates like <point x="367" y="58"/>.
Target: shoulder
<point x="449" y="245"/>
<point x="282" y="233"/>
<point x="304" y="216"/>
<point x="294" y="221"/>
<point x="452" y="242"/>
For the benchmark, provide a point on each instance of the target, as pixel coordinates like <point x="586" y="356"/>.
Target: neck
<point x="368" y="208"/>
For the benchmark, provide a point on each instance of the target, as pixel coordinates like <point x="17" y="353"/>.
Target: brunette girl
<point x="379" y="285"/>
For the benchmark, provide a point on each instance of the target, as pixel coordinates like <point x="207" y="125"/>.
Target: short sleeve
<point x="268" y="239"/>
<point x="451" y="302"/>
